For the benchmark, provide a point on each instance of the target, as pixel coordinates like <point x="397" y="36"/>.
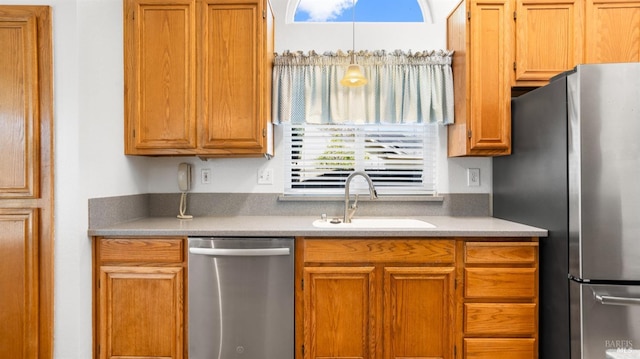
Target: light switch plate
<point x="473" y="177"/>
<point x="265" y="176"/>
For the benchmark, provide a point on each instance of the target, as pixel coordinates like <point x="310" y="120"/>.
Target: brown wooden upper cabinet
<point x="613" y="31"/>
<point x="500" y="44"/>
<point x="481" y="34"/>
<point x="549" y="34"/>
<point x="198" y="77"/>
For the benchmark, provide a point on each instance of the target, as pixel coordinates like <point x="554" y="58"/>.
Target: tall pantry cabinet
<point x="198" y="77"/>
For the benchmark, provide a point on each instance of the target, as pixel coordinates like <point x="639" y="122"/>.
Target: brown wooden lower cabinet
<point x="366" y="298"/>
<point x="394" y="298"/>
<point x="139" y="293"/>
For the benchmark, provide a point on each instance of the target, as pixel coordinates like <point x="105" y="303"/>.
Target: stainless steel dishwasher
<point x="241" y="298"/>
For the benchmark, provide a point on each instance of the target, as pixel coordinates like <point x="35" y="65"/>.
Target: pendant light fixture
<point x="354" y="76"/>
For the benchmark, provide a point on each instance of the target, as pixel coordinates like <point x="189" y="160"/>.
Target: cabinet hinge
<point x="455" y="351"/>
<point x="302" y="284"/>
<point x="455" y="284"/>
<point x="264" y="132"/>
<point x="303" y="350"/>
<point x="514" y="15"/>
<point x="264" y="14"/>
<point x="134" y="133"/>
<point x="468" y="15"/>
<point x="133" y="15"/>
<point x="469" y="133"/>
<point x="514" y="66"/>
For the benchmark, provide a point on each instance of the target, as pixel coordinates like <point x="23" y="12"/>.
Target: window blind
<point x="400" y="159"/>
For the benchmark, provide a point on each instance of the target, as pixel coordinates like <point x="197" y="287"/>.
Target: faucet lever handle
<point x="355" y="203"/>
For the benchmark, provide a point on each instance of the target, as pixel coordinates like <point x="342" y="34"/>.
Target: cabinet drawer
<point x="379" y="250"/>
<point x="500" y="282"/>
<point x="499" y="348"/>
<point x="156" y="250"/>
<point x="502" y="319"/>
<point x="500" y="253"/>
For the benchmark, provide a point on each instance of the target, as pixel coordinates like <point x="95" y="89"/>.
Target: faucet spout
<point x="349" y="211"/>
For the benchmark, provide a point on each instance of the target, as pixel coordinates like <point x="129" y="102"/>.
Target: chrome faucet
<point x="349" y="211"/>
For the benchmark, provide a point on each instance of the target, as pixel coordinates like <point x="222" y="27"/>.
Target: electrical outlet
<point x="265" y="176"/>
<point x="205" y="175"/>
<point x="473" y="177"/>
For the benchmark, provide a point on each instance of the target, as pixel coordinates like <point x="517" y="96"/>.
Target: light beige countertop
<point x="290" y="226"/>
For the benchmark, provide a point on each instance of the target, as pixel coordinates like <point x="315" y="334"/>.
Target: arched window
<point x="365" y="10"/>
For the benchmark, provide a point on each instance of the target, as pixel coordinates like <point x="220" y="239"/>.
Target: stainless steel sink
<point x="374" y="223"/>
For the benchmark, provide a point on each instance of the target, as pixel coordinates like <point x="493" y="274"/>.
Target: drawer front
<point x="156" y="250"/>
<point x="499" y="348"/>
<point x="500" y="283"/>
<point x="501" y="253"/>
<point x="379" y="250"/>
<point x="500" y="319"/>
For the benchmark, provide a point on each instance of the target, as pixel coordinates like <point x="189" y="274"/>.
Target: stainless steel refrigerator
<point x="575" y="170"/>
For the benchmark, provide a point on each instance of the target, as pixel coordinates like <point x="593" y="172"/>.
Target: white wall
<point x="89" y="160"/>
<point x="241" y="175"/>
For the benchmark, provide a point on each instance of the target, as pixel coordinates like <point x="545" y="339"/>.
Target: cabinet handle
<point x="613" y="300"/>
<point x="230" y="252"/>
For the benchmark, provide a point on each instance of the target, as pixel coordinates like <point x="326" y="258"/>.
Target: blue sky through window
<point x="365" y="11"/>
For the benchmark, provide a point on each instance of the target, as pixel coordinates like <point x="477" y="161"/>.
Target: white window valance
<point x="403" y="87"/>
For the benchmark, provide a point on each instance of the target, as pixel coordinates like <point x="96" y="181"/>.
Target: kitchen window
<point x="387" y="128"/>
<point x="365" y="11"/>
<point x="400" y="159"/>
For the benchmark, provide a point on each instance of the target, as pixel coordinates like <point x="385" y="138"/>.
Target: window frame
<point x="393" y="165"/>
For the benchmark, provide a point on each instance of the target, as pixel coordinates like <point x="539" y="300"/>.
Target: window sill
<point x="361" y="198"/>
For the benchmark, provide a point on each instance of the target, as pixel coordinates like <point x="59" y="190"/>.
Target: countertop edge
<point x="301" y="226"/>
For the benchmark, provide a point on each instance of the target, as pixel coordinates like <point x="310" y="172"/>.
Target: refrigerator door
<point x="530" y="186"/>
<point x="604" y="171"/>
<point x="610" y="322"/>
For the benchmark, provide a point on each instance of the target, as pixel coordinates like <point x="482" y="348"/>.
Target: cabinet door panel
<point x="548" y="39"/>
<point x="500" y="282"/>
<point x="160" y="75"/>
<point x="613" y="31"/>
<point x="233" y="59"/>
<point x="379" y="250"/>
<point x="499" y="348"/>
<point x="19" y="283"/>
<point x="500" y="253"/>
<point x="491" y="54"/>
<point x="141" y="312"/>
<point x="339" y="312"/>
<point x="150" y="250"/>
<point x="501" y="319"/>
<point x="19" y="116"/>
<point x="418" y="312"/>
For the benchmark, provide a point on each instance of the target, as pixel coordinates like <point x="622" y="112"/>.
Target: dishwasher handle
<point x="233" y="252"/>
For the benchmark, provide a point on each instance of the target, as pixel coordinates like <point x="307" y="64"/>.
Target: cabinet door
<point x="141" y="312"/>
<point x="548" y="39"/>
<point x="418" y="312"/>
<point x="26" y="182"/>
<point x="491" y="60"/>
<point x="339" y="312"/>
<point x="612" y="31"/>
<point x="233" y="73"/>
<point x="160" y="75"/>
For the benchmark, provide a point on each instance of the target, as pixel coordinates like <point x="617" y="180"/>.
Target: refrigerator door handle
<point x="614" y="300"/>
